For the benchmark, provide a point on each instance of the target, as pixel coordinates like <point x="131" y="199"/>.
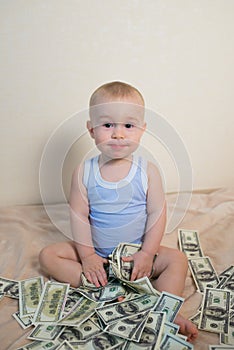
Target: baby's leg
<point x="61" y="261"/>
<point x="170" y="270"/>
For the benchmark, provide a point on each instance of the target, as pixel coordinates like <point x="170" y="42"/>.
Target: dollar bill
<point x="126" y="249"/>
<point x="215" y="311"/>
<point x="73" y="296"/>
<point x="116" y="311"/>
<point x="196" y="318"/>
<point x="9" y="287"/>
<point x="29" y="295"/>
<point x="203" y="273"/>
<point x="170" y="328"/>
<point x="173" y="342"/>
<point x="151" y="335"/>
<point x="82" y="310"/>
<point x="189" y="243"/>
<point x="170" y="304"/>
<point x="228" y="338"/>
<point x="219" y="347"/>
<point x="52" y="302"/>
<point x="45" y="332"/>
<point x="39" y="345"/>
<point x="129" y="327"/>
<point x="227" y="272"/>
<point x="102" y="340"/>
<point x="25" y="322"/>
<point x="108" y="293"/>
<point x="65" y="345"/>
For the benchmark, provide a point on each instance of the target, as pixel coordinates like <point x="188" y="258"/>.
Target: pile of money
<point x="122" y="315"/>
<point x="216" y="313"/>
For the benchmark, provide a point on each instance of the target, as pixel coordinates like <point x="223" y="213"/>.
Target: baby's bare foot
<point x="187" y="328"/>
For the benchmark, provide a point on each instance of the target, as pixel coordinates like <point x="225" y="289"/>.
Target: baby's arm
<point x="156" y="221"/>
<point x="92" y="263"/>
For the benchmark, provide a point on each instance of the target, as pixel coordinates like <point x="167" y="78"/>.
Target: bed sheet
<point x="25" y="230"/>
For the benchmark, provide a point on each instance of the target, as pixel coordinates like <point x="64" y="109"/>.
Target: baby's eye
<point x="129" y="126"/>
<point x="108" y="125"/>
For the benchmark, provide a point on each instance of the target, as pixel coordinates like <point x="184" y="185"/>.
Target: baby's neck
<point x="114" y="170"/>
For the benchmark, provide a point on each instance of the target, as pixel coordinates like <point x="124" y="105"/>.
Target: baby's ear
<point x="90" y="128"/>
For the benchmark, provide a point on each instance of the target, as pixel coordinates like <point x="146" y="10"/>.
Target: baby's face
<point x="117" y="125"/>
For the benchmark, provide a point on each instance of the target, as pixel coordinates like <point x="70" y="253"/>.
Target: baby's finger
<point x="127" y="258"/>
<point x="93" y="278"/>
<point x="101" y="275"/>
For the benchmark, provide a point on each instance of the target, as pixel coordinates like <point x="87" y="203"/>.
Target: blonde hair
<point x="115" y="89"/>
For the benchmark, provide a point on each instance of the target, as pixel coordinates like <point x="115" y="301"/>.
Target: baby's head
<point x="116" y="91"/>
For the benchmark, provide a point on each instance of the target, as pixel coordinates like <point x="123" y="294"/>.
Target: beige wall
<point x="179" y="53"/>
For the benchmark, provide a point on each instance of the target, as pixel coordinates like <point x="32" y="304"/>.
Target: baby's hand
<point x="94" y="270"/>
<point x="143" y="263"/>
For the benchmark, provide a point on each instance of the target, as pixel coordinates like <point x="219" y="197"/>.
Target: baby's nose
<point x="118" y="132"/>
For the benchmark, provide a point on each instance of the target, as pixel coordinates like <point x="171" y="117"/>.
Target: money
<point x="9" y="287"/>
<point x="130" y="327"/>
<point x="65" y="346"/>
<point x="45" y="332"/>
<point x="108" y="293"/>
<point x="51" y="303"/>
<point x="83" y="309"/>
<point x="219" y="347"/>
<point x="228" y="338"/>
<point x="203" y="273"/>
<point x="24" y="322"/>
<point x="189" y="243"/>
<point x="116" y="311"/>
<point x="29" y="294"/>
<point x="38" y="345"/>
<point x="125" y="249"/>
<point x="172" y="342"/>
<point x="170" y="304"/>
<point x="215" y="311"/>
<point x="102" y="340"/>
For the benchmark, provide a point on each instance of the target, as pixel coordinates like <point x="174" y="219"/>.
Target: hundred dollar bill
<point x="143" y="285"/>
<point x="9" y="287"/>
<point x="29" y="295"/>
<point x="170" y="304"/>
<point x="73" y="296"/>
<point x="24" y="322"/>
<point x="173" y="342"/>
<point x="215" y="311"/>
<point x="228" y="338"/>
<point x="102" y="340"/>
<point x="65" y="345"/>
<point x="126" y="249"/>
<point x="45" y="332"/>
<point x="152" y="333"/>
<point x="130" y="327"/>
<point x="81" y="333"/>
<point x="203" y="273"/>
<point x="108" y="293"/>
<point x="170" y="328"/>
<point x="189" y="243"/>
<point x="220" y="347"/>
<point x="40" y="345"/>
<point x="196" y="318"/>
<point x="51" y="303"/>
<point x="227" y="272"/>
<point x="114" y="312"/>
<point x="82" y="310"/>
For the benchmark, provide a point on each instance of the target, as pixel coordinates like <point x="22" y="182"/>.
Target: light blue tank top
<point x="117" y="209"/>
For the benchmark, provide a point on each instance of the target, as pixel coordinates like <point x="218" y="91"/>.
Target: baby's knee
<point x="179" y="257"/>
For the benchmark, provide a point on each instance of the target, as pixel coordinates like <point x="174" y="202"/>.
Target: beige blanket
<point x="24" y="230"/>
